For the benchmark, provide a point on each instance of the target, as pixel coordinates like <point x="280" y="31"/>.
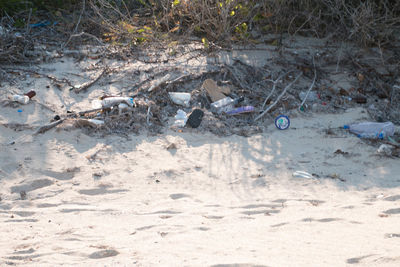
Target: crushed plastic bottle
<point x="372" y="129"/>
<point x="225" y="104"/>
<point x="112" y="101"/>
<point x="180" y="118"/>
<point x="23" y="99"/>
<point x="180" y="98"/>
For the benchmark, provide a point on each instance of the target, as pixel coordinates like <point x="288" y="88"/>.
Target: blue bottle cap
<point x="282" y="122"/>
<point x="346" y="127"/>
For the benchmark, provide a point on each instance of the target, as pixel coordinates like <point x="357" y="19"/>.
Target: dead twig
<point x="311" y="86"/>
<point x="279" y="97"/>
<point x="50" y="77"/>
<point x="79" y="35"/>
<point x="158" y="83"/>
<point x="81" y="113"/>
<point x="274" y="87"/>
<point x="85" y="86"/>
<point x="148" y="115"/>
<point x="47" y="127"/>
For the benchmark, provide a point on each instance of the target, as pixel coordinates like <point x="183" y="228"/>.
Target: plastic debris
<point x="282" y="122"/>
<point x="180" y="118"/>
<point x="302" y="174"/>
<point x="373" y="130"/>
<point x="109" y="102"/>
<point x="241" y="110"/>
<point x="385" y="150"/>
<point x="42" y="24"/>
<point x="224" y="105"/>
<point x="178" y="98"/>
<point x="195" y="118"/>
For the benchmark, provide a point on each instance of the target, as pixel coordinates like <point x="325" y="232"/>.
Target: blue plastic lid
<point x="346" y="127"/>
<point x="282" y="122"/>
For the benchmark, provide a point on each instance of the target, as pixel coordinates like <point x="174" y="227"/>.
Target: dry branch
<point x="279" y="97"/>
<point x="85" y="86"/>
<point x="47" y="127"/>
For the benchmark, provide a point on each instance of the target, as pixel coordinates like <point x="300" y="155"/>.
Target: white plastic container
<point x="23" y="99"/>
<point x="180" y="118"/>
<point x="178" y="98"/>
<point x="112" y="101"/>
<point x="372" y="129"/>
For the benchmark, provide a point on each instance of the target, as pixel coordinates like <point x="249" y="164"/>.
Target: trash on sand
<point x="282" y="122"/>
<point x="30" y="94"/>
<point x="302" y="174"/>
<point x="42" y="24"/>
<point x="240" y="110"/>
<point x="195" y="118"/>
<point x="122" y="107"/>
<point x="214" y="91"/>
<point x="372" y="129"/>
<point x="224" y="105"/>
<point x="180" y="118"/>
<point x="385" y="150"/>
<point x="23" y="99"/>
<point x="180" y="98"/>
<point x="311" y="97"/>
<point x="109" y="102"/>
<point x="96" y="122"/>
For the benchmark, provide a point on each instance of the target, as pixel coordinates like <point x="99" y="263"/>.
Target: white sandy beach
<point x="124" y="200"/>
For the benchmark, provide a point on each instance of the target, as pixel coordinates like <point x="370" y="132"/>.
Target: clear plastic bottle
<point x="23" y="99"/>
<point x="112" y="101"/>
<point x="372" y="129"/>
<point x="225" y="104"/>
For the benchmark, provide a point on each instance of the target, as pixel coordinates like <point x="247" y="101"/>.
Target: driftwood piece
<point x="47" y="127"/>
<point x="160" y="82"/>
<point x="85" y="86"/>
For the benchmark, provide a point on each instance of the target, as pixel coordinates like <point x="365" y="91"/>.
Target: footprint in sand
<point x="178" y="196"/>
<point x="392" y="211"/>
<point x="103" y="254"/>
<point x="34" y="185"/>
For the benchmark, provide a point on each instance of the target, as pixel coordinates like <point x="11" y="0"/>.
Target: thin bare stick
<point x="80" y="16"/>
<point x="47" y="127"/>
<point x="85" y="86"/>
<point x="311" y="86"/>
<point x="279" y="98"/>
<point x="274" y="87"/>
<point x="89" y="111"/>
<point x="148" y="115"/>
<point x="339" y="57"/>
<point x="79" y="35"/>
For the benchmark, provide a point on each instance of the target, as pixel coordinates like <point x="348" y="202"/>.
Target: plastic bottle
<point x="372" y="129"/>
<point x="180" y="118"/>
<point x="112" y="101"/>
<point x="23" y="99"/>
<point x="225" y="104"/>
<point x="180" y="98"/>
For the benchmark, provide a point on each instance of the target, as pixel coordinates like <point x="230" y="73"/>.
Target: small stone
<point x="23" y="195"/>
